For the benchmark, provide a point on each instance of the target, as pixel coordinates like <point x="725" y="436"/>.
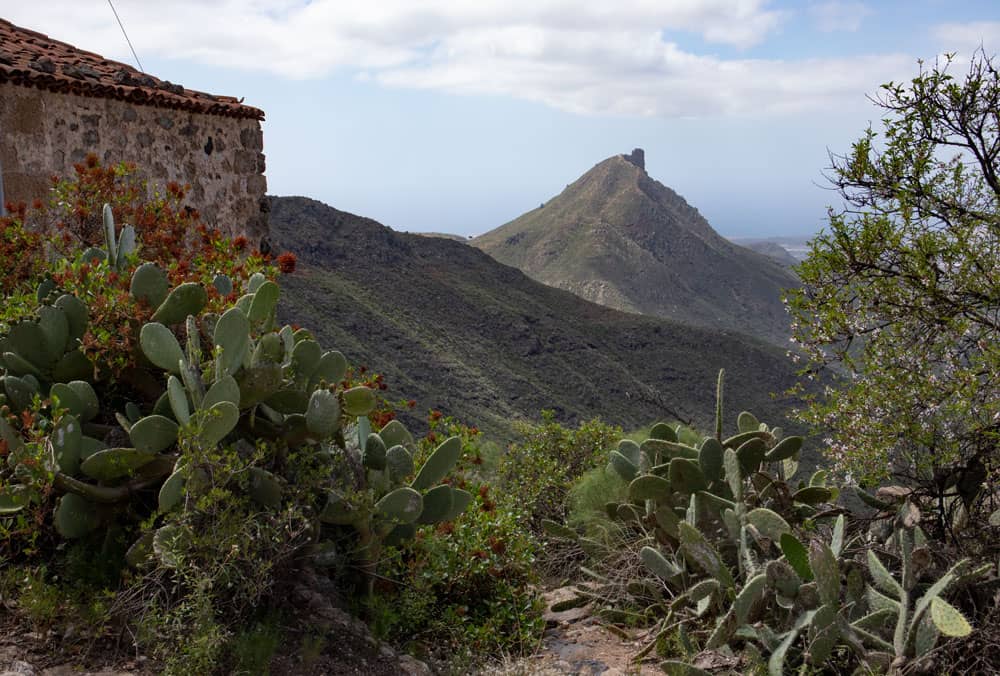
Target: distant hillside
<point x="442" y="235"/>
<point x="619" y="238"/>
<point x="457" y="331"/>
<point x="774" y="251"/>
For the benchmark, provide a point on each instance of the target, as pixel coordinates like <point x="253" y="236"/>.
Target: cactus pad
<point x="172" y="491"/>
<point x="76" y="313"/>
<point x="438" y="503"/>
<point x="751" y="454"/>
<point x="223" y="389"/>
<point x="438" y="464"/>
<point x="359" y="401"/>
<point x="218" y="421"/>
<point x="331" y="369"/>
<point x="403" y="505"/>
<point x="399" y="462"/>
<point x="649" y="487"/>
<point x="784" y="449"/>
<point x="323" y="413"/>
<point x="686" y="476"/>
<point x="114" y="463"/>
<point x="395" y="433"/>
<point x="658" y="564"/>
<point x="797" y="556"/>
<point x="710" y="459"/>
<point x="265" y="300"/>
<point x="65" y="440"/>
<point x="55" y="327"/>
<point x="747" y="422"/>
<point x="150" y="283"/>
<point x="826" y="570"/>
<point x="948" y="619"/>
<point x="161" y="347"/>
<point x="28" y="341"/>
<point x="374" y="452"/>
<point x="769" y="523"/>
<point x="622" y="466"/>
<point x="187" y="299"/>
<point x="153" y="434"/>
<point x="75" y="516"/>
<point x="232" y="334"/>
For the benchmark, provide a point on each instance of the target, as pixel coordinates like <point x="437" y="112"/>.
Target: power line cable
<point x="122" y="26"/>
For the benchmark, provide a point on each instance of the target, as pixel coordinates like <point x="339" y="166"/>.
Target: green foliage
<point x="588" y="497"/>
<point x="740" y="557"/>
<point x="464" y="583"/>
<point x="251" y="650"/>
<point x="221" y="446"/>
<point x="538" y="472"/>
<point x="900" y="292"/>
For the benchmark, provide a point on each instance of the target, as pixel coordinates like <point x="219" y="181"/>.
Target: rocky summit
<point x="618" y="237"/>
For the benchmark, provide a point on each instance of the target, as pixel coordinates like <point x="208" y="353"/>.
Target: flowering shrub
<point x="51" y="240"/>
<point x="467" y="581"/>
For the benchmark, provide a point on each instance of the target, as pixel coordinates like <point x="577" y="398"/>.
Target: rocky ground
<point x="575" y="643"/>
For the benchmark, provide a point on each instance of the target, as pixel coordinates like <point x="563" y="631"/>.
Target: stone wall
<point x="44" y="133"/>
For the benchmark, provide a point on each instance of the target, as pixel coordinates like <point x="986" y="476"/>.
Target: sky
<point x="459" y="115"/>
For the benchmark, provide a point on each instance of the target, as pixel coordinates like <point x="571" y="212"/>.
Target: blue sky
<point x="459" y="116"/>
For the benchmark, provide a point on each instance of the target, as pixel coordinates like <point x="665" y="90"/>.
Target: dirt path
<point x="577" y="643"/>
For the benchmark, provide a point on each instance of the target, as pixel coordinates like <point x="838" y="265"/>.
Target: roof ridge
<point x="32" y="59"/>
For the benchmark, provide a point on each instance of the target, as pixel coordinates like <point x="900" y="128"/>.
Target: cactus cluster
<point x="390" y="497"/>
<point x="233" y="379"/>
<point x="732" y="546"/>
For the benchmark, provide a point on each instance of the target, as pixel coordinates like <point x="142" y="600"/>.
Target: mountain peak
<point x="620" y="238"/>
<point x="637" y="157"/>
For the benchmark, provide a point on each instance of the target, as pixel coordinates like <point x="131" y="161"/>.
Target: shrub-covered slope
<point x="455" y="330"/>
<point x="618" y="237"/>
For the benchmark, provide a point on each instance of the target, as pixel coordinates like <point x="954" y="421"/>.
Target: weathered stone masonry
<point x="45" y="133"/>
<point x="51" y="118"/>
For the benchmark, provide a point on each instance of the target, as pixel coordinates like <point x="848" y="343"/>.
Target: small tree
<point x="901" y="293"/>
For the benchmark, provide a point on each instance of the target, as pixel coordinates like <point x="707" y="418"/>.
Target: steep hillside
<point x="457" y="331"/>
<point x="619" y="238"/>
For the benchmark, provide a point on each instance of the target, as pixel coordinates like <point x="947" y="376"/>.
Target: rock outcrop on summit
<point x="618" y="237"/>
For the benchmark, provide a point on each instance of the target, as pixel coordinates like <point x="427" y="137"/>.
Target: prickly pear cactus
<point x="205" y="384"/>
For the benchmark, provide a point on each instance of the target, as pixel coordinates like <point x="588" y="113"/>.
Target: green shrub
<point x="588" y="497"/>
<point x="538" y="471"/>
<point x="466" y="583"/>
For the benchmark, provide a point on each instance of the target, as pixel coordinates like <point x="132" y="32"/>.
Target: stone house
<point x="59" y="103"/>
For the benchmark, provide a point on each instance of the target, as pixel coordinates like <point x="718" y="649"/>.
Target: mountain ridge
<point x="457" y="331"/>
<point x="618" y="237"/>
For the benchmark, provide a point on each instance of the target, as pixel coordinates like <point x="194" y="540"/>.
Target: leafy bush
<point x="464" y="584"/>
<point x="900" y="294"/>
<point x="538" y="471"/>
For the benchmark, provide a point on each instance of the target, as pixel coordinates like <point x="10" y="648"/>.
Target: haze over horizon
<point x="455" y="117"/>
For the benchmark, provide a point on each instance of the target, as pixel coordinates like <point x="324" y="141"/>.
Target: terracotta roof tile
<point x="36" y="60"/>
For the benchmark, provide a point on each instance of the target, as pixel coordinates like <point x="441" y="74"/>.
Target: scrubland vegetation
<point x="173" y="460"/>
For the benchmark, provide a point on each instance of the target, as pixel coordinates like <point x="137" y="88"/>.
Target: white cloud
<point x="836" y="15"/>
<point x="967" y="37"/>
<point x="585" y="56"/>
